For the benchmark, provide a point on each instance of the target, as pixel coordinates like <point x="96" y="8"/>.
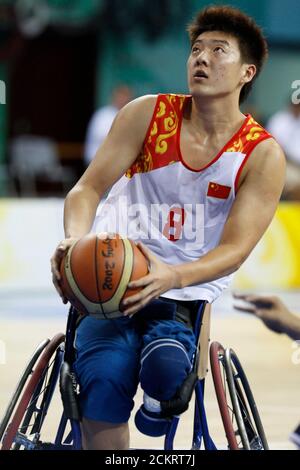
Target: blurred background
<point x="62" y="59"/>
<point x="66" y="67"/>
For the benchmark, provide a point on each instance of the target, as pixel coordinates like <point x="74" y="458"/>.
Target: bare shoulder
<point x="268" y="153"/>
<point x="143" y="104"/>
<point x="122" y="145"/>
<point x="267" y="159"/>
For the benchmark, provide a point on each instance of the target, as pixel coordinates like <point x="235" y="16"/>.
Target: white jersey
<point x="177" y="212"/>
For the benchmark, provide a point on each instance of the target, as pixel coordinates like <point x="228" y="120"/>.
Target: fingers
<point x="246" y="297"/>
<point x="239" y="296"/>
<point x="57" y="258"/>
<point x="56" y="277"/>
<point x="244" y="309"/>
<point x="259" y="301"/>
<point x="59" y="290"/>
<point x="55" y="261"/>
<point x="139" y="302"/>
<point x="56" y="282"/>
<point x="135" y="302"/>
<point x="142" y="282"/>
<point x="261" y="313"/>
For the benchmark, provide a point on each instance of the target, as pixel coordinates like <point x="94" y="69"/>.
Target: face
<point x="215" y="66"/>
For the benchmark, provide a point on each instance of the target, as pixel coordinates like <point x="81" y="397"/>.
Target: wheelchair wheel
<point x="24" y="429"/>
<point x="251" y="429"/>
<point x="238" y="410"/>
<point x="24" y="377"/>
<point x="217" y="353"/>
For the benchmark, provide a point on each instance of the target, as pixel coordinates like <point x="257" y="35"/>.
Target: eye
<point x="195" y="49"/>
<point x="218" y="49"/>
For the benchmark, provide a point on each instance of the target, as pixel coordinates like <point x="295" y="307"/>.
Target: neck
<point x="214" y="116"/>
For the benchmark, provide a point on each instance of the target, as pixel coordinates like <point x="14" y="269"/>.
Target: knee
<point x="164" y="366"/>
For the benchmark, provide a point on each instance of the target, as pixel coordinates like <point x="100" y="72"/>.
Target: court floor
<point x="271" y="361"/>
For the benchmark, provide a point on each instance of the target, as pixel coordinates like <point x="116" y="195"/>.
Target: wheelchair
<point x="22" y="427"/>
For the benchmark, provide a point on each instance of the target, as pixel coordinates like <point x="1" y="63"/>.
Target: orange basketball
<point x="95" y="274"/>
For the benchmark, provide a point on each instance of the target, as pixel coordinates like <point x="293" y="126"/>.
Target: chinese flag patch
<point x="218" y="190"/>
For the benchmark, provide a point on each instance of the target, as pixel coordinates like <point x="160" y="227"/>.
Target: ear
<point x="248" y="72"/>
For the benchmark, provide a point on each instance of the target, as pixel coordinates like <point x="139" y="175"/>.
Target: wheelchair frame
<point x="34" y="392"/>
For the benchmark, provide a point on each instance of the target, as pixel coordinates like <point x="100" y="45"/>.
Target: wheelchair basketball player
<point x="195" y="183"/>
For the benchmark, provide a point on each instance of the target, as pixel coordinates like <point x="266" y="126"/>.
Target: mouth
<point x="200" y="75"/>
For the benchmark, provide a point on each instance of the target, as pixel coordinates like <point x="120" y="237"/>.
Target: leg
<point x="107" y="366"/>
<point x="97" y="435"/>
<point x="166" y="361"/>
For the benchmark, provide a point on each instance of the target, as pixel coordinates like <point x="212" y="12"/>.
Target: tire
<point x="24" y="377"/>
<point x="39" y="388"/>
<point x="242" y="424"/>
<point x="250" y="426"/>
<point x="217" y="353"/>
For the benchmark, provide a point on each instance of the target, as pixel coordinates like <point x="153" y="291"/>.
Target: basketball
<point x="95" y="273"/>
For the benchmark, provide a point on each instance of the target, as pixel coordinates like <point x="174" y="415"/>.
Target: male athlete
<point x="204" y="181"/>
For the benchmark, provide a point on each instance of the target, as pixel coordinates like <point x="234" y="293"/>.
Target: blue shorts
<point x="108" y="352"/>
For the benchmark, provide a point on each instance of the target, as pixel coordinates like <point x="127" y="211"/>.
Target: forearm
<point x="79" y="211"/>
<point x="222" y="261"/>
<point x="291" y="326"/>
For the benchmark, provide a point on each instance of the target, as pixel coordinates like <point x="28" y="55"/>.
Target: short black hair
<point x="252" y="43"/>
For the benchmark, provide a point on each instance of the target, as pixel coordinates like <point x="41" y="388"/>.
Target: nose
<point x="202" y="58"/>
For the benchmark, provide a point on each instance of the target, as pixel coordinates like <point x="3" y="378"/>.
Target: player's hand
<point x="58" y="255"/>
<point x="56" y="260"/>
<point x="161" y="278"/>
<point x="270" y="309"/>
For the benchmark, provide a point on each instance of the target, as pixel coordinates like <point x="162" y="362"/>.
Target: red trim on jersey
<point x="152" y="121"/>
<point x="248" y="154"/>
<point x="227" y="145"/>
<point x="161" y="145"/>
